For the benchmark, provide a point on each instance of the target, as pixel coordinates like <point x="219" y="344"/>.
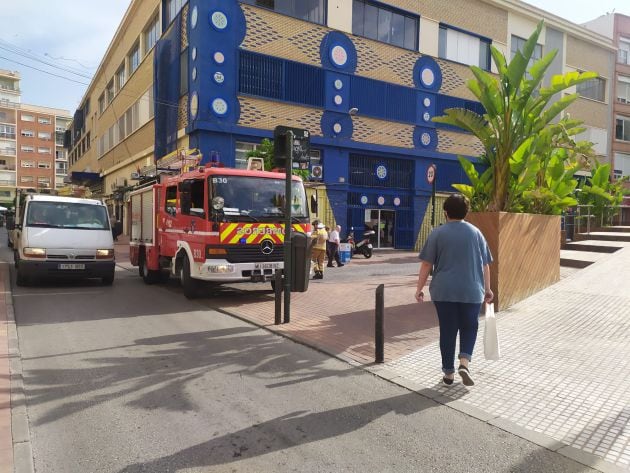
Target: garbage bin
<point x="345" y="252"/>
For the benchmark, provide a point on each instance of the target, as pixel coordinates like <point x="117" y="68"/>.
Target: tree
<point x="265" y="151"/>
<point x="530" y="156"/>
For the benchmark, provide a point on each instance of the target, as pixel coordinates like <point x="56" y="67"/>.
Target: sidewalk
<point x="562" y="382"/>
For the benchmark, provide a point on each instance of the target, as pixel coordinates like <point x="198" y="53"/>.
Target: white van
<point x="63" y="237"/>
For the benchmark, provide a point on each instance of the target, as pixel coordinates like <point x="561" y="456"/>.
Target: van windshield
<point x="67" y="215"/>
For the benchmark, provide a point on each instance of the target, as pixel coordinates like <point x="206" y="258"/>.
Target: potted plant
<point x="530" y="157"/>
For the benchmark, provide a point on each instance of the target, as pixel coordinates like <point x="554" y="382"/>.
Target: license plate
<point x="266" y="265"/>
<point x="74" y="266"/>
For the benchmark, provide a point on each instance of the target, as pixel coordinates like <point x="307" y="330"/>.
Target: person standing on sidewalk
<point x="459" y="255"/>
<point x="319" y="250"/>
<point x="333" y="247"/>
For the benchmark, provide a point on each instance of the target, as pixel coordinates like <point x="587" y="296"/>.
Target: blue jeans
<point x="457" y="317"/>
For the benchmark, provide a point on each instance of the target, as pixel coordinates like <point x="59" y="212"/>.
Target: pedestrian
<point x="328" y="257"/>
<point x="333" y="247"/>
<point x="319" y="250"/>
<point x="460" y="258"/>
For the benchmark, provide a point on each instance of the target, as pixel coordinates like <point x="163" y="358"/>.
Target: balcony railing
<point x="7" y="151"/>
<point x="7" y="167"/>
<point x="7" y="182"/>
<point x="10" y="88"/>
<point x="9" y="136"/>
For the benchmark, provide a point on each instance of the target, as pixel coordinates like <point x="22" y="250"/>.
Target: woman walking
<point x="460" y="258"/>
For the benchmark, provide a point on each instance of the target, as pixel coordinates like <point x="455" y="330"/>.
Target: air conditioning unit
<point x="135" y="176"/>
<point x="317" y="172"/>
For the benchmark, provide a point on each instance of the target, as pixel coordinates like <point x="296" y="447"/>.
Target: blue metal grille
<point x="444" y="102"/>
<point x="279" y="79"/>
<point x="382" y="100"/>
<point x="363" y="172"/>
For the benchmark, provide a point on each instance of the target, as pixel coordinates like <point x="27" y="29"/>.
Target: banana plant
<point x="602" y="194"/>
<point x="519" y="132"/>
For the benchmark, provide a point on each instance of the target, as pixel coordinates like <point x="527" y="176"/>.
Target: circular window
<point x="425" y="139"/>
<point x="396" y="201"/>
<point x="194" y="105"/>
<point x="337" y="128"/>
<point x="193" y="17"/>
<point x="426" y="116"/>
<point x="219" y="57"/>
<point x="219" y="107"/>
<point x="427" y="102"/>
<point x="364" y="199"/>
<point x="338" y="84"/>
<point x="428" y="77"/>
<point x="381" y="172"/>
<point x="218" y="77"/>
<point x="338" y="100"/>
<point x="194" y="74"/>
<point x="381" y="200"/>
<point x="219" y="20"/>
<point x="193" y="54"/>
<point x="339" y="56"/>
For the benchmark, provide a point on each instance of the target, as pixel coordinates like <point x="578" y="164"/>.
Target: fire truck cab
<point x="213" y="224"/>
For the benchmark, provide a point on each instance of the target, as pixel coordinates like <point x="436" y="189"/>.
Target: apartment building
<point x="9" y="102"/>
<point x="617" y="27"/>
<point x="364" y="77"/>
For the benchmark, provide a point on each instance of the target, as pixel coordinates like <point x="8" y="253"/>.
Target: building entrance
<point x="383" y="222"/>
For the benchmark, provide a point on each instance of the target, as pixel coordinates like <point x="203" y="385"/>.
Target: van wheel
<point x="190" y="285"/>
<point x="148" y="276"/>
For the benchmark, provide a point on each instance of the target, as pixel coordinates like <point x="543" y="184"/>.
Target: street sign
<point x="431" y="173"/>
<point x="301" y="146"/>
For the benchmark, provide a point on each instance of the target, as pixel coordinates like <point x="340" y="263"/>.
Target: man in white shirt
<point x="333" y="246"/>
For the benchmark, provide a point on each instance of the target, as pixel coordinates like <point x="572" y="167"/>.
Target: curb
<point x="20" y="428"/>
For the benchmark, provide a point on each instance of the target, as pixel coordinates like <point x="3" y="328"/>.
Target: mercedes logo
<point x="266" y="247"/>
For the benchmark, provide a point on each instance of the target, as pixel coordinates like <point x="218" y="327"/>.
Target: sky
<point x="74" y="37"/>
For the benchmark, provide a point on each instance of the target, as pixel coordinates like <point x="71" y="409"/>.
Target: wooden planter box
<point x="526" y="253"/>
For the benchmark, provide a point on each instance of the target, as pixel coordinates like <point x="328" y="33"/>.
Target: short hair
<point x="456" y="206"/>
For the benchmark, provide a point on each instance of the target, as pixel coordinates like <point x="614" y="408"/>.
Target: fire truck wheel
<point x="190" y="285"/>
<point x="148" y="276"/>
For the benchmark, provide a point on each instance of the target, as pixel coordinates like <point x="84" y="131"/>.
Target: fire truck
<point x="212" y="224"/>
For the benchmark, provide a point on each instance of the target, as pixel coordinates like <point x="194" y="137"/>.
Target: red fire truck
<point x="213" y="224"/>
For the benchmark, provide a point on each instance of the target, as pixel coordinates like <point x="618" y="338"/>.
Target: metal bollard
<point x="379" y="326"/>
<point x="278" y="297"/>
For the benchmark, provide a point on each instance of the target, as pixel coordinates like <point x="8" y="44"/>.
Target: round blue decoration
<point x="338" y="52"/>
<point x="381" y="172"/>
<point x="427" y="74"/>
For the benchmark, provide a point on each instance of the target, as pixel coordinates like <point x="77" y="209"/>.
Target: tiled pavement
<point x="563" y="374"/>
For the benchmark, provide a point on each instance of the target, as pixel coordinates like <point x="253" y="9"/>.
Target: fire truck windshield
<point x="258" y="196"/>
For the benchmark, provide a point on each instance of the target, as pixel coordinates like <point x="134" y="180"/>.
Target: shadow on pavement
<point x="159" y="378"/>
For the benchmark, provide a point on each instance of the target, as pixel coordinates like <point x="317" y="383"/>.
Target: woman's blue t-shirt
<point x="458" y="251"/>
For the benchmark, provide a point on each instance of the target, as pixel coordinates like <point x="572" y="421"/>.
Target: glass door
<point x="383" y="223"/>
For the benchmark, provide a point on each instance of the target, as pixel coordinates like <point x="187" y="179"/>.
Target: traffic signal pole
<point x="287" y="228"/>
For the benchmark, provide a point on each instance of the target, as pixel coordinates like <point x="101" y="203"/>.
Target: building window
<point x="120" y="77"/>
<point x="27" y="164"/>
<point x="624" y="51"/>
<point x="43" y="165"/>
<point x="7" y="131"/>
<point x="309" y="10"/>
<point x="26" y="179"/>
<point x="517" y="44"/>
<point x="623" y="89"/>
<point x="61" y="154"/>
<point x="110" y="91"/>
<point x="28" y="133"/>
<point x="43" y="181"/>
<point x="101" y="103"/>
<point x="465" y="48"/>
<point x="44" y="121"/>
<point x="43" y="135"/>
<point x="27" y="149"/>
<point x="151" y="34"/>
<point x="27" y="118"/>
<point x="376" y="21"/>
<point x="594" y="89"/>
<point x="134" y="58"/>
<point x="172" y="8"/>
<point x="43" y="150"/>
<point x="622" y="165"/>
<point x="622" y="128"/>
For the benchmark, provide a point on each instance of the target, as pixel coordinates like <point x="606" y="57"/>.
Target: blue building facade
<point x="240" y="70"/>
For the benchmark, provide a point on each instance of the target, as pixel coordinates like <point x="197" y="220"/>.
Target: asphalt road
<point x="135" y="378"/>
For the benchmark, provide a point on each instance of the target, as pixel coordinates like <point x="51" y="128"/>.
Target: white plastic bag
<point x="491" y="337"/>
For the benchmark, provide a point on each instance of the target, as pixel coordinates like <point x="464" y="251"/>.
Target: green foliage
<point x="602" y="194"/>
<point x="265" y="151"/>
<point x="530" y="152"/>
